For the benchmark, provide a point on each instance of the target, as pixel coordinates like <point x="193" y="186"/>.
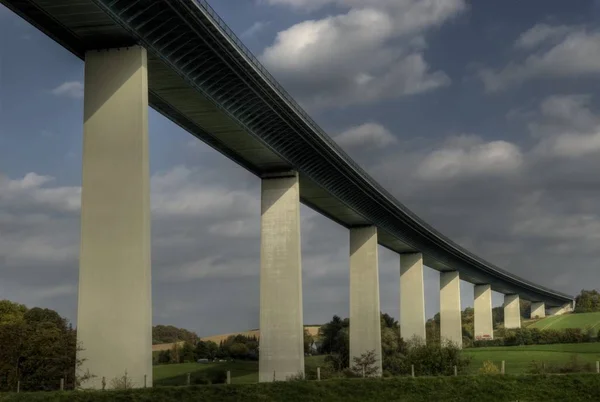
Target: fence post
<point x="228" y="377"/>
<point x="188" y="378"/>
<point x="502" y="369"/>
<point x="62" y="384"/>
<point x="412" y="370"/>
<point x="18" y="386"/>
<point x="455" y="371"/>
<point x="363" y="371"/>
<point x="318" y="373"/>
<point x="597" y="366"/>
<point x="145" y="380"/>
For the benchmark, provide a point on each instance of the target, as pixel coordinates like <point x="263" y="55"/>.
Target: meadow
<point x="580" y="320"/>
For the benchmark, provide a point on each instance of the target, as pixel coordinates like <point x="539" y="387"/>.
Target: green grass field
<point x="241" y="372"/>
<point x="580" y="320"/>
<point x="518" y="358"/>
<point x="517" y="361"/>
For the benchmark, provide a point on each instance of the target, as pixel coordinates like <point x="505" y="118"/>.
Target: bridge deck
<point x="202" y="78"/>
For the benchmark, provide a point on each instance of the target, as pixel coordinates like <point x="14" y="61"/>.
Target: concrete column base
<point x="365" y="319"/>
<point x="114" y="318"/>
<point x="412" y="297"/>
<point x="512" y="311"/>
<point x="560" y="310"/>
<point x="281" y="339"/>
<point x="450" y="312"/>
<point x="484" y="327"/>
<point x="538" y="310"/>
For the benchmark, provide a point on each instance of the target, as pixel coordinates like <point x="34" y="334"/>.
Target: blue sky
<point x="482" y="117"/>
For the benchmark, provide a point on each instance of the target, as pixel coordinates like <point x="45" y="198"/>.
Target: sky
<point x="481" y="117"/>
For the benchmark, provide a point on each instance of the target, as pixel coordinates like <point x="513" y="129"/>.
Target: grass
<point x="580" y="387"/>
<point x="242" y="372"/>
<point x="580" y="320"/>
<point x="518" y="358"/>
<point x="517" y="361"/>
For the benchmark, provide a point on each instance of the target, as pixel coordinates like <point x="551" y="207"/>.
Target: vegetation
<point x="578" y="387"/>
<point x="171" y="334"/>
<point x="584" y="321"/>
<point x="536" y="336"/>
<point x="38" y="348"/>
<point x="587" y="301"/>
<point x="519" y="359"/>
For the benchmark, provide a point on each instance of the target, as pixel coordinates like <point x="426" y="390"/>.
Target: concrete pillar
<point x="484" y="328"/>
<point x="560" y="310"/>
<point x="365" y="319"/>
<point x="450" y="314"/>
<point x="281" y="339"/>
<point x="412" y="297"/>
<point x="114" y="318"/>
<point x="512" y="311"/>
<point x="538" y="310"/>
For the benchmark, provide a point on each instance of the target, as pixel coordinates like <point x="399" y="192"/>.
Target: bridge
<point x="180" y="58"/>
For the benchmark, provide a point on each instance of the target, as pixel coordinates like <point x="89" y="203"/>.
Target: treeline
<point x="588" y="301"/>
<point x="239" y="347"/>
<point x="171" y="334"/>
<point x="536" y="336"/>
<point x="428" y="358"/>
<point x="37" y="347"/>
<point x="236" y="347"/>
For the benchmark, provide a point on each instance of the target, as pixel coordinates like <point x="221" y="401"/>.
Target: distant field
<point x="518" y="358"/>
<point x="312" y="329"/>
<point x="580" y="320"/>
<point x="241" y="372"/>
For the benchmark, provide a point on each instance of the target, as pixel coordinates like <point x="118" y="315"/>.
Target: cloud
<point x="70" y="89"/>
<point x="254" y="29"/>
<point x="372" y="52"/>
<point x="541" y="33"/>
<point x="576" y="54"/>
<point x="369" y="135"/>
<point x="469" y="156"/>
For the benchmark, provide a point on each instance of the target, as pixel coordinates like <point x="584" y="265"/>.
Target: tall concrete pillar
<point x="450" y="313"/>
<point x="114" y="318"/>
<point x="538" y="310"/>
<point x="412" y="296"/>
<point x="512" y="311"/>
<point x="484" y="328"/>
<point x="365" y="319"/>
<point x="560" y="310"/>
<point x="281" y="339"/>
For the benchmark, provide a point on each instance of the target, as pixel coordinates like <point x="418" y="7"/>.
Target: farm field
<point x="580" y="320"/>
<point x="242" y="372"/>
<point x="517" y="361"/>
<point x="518" y="358"/>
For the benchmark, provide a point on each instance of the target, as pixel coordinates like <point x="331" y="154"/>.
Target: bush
<point x="489" y="368"/>
<point x="535" y="336"/>
<point x="576" y="387"/>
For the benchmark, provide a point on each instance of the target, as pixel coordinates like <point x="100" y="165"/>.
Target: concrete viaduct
<point x="180" y="58"/>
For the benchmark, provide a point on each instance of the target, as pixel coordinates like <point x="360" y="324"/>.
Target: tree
<point x="171" y="334"/>
<point x="187" y="353"/>
<point x="365" y="365"/>
<point x="587" y="301"/>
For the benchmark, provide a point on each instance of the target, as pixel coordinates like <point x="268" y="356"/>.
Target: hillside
<point x="576" y="320"/>
<point x="312" y="329"/>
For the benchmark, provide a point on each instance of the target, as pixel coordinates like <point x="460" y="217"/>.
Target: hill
<point x="312" y="329"/>
<point x="576" y="320"/>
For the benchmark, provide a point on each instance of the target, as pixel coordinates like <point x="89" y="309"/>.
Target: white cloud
<point x="254" y="29"/>
<point x="540" y="33"/>
<point x="371" y="52"/>
<point x="469" y="156"/>
<point x="71" y="89"/>
<point x="577" y="54"/>
<point x="566" y="127"/>
<point x="370" y="135"/>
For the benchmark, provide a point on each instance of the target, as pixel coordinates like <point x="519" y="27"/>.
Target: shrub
<point x="489" y="368"/>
